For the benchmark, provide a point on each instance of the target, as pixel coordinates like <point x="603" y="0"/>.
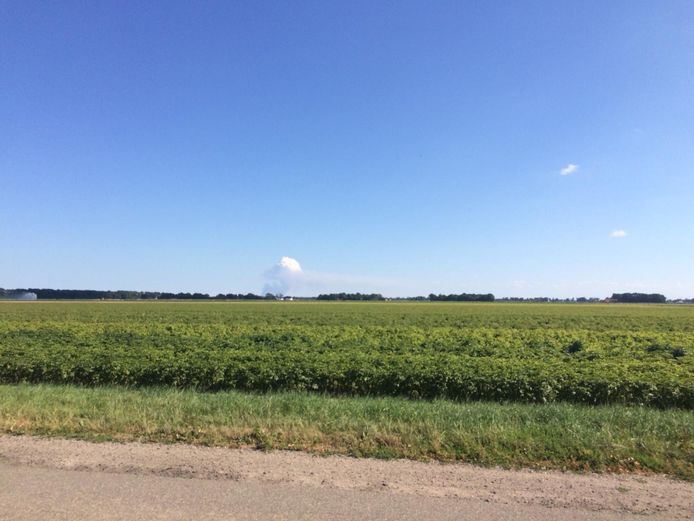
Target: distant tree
<point x="350" y="296"/>
<point x="463" y="297"/>
<point x="654" y="298"/>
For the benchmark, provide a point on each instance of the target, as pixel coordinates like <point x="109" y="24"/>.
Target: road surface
<point x="62" y="479"/>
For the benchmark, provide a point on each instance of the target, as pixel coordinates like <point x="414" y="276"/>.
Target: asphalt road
<point x="58" y="479"/>
<point x="30" y="494"/>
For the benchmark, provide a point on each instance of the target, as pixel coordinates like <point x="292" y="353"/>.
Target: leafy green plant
<point x="574" y="347"/>
<point x="459" y="351"/>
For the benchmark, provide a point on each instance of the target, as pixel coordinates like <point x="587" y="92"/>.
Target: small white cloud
<point x="568" y="169"/>
<point x="618" y="234"/>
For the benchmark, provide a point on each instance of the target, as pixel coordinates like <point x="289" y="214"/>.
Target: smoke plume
<point x="287" y="277"/>
<point x="283" y="277"/>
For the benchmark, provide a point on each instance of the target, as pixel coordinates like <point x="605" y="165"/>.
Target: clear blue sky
<point x="403" y="147"/>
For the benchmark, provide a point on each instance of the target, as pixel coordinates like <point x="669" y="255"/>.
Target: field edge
<point x="569" y="437"/>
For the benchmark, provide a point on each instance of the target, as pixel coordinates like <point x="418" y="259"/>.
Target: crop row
<point x="476" y="342"/>
<point x="598" y="318"/>
<point x="532" y="365"/>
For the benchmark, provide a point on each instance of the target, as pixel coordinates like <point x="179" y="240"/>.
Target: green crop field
<point x="591" y="354"/>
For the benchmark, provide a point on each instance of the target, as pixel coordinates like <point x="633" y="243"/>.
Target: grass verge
<point x="559" y="436"/>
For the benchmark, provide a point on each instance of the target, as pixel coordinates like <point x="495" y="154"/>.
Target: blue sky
<point x="402" y="147"/>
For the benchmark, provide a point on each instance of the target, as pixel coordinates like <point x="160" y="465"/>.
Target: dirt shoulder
<point x="657" y="496"/>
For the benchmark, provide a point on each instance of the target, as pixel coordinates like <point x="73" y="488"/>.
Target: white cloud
<point x="618" y="234"/>
<point x="288" y="277"/>
<point x="568" y="169"/>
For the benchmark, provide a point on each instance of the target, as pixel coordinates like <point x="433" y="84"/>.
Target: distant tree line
<point x="463" y="297"/>
<point x="219" y="296"/>
<point x="350" y="296"/>
<point x="91" y="294"/>
<point x="548" y="299"/>
<point x="655" y="298"/>
<point x="86" y="294"/>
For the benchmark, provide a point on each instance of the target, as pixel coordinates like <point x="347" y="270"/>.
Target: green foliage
<point x="350" y="296"/>
<point x="462" y="297"/>
<point x="590" y="354"/>
<point x="560" y="435"/>
<point x="655" y="298"/>
<point x="575" y="347"/>
<point x="678" y="351"/>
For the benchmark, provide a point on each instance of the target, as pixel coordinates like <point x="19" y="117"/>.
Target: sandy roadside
<point x="656" y="496"/>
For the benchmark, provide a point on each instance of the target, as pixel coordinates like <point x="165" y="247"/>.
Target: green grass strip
<point x="558" y="436"/>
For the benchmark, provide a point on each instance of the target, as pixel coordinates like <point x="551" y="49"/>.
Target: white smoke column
<point x="283" y="276"/>
<point x="290" y="265"/>
<point x="22" y="295"/>
<point x="288" y="277"/>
